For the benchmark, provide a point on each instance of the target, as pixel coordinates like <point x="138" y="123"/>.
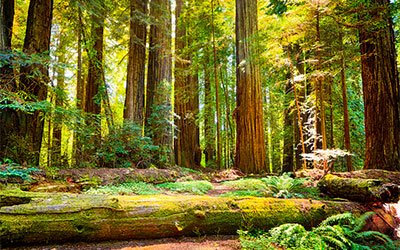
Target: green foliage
<point x="286" y="187"/>
<point x="340" y="231"/>
<point x="246" y="184"/>
<point x="193" y="187"/>
<point x="13" y="172"/>
<point x="128" y="188"/>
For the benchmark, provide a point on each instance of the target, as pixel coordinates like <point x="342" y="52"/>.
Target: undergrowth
<point x="193" y="187"/>
<point x="127" y="188"/>
<point x="342" y="231"/>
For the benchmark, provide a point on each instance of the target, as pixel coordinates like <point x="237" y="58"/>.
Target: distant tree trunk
<point x="134" y="99"/>
<point x="381" y="92"/>
<point x="187" y="142"/>
<point x="209" y="117"/>
<point x="250" y="145"/>
<point x="288" y="135"/>
<point x="37" y="40"/>
<point x="8" y="117"/>
<point x="95" y="73"/>
<point x="80" y="103"/>
<point x="158" y="103"/>
<point x="59" y="94"/>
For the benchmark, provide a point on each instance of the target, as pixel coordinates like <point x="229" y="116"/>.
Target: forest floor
<point x="219" y="242"/>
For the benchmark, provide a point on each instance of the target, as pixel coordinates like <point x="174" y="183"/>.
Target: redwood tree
<point x="134" y="99"/>
<point x="159" y="76"/>
<point x="187" y="142"/>
<point x="250" y="147"/>
<point x="37" y="41"/>
<point x="7" y="116"/>
<point x="380" y="88"/>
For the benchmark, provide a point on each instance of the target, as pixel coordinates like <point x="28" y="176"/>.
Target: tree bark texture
<point x="159" y="77"/>
<point x="209" y="116"/>
<point x="134" y="99"/>
<point x="8" y="117"/>
<point x="380" y="91"/>
<point x="45" y="219"/>
<point x="250" y="144"/>
<point x="37" y="41"/>
<point x="187" y="142"/>
<point x="362" y="190"/>
<point x="288" y="141"/>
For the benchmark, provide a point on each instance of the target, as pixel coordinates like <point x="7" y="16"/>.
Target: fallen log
<point x="50" y="218"/>
<point x="356" y="189"/>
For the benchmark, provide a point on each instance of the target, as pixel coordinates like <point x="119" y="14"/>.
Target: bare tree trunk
<point x="381" y="92"/>
<point x="346" y="124"/>
<point x="158" y="100"/>
<point x="37" y="40"/>
<point x="187" y="142"/>
<point x="8" y="117"/>
<point x="250" y="144"/>
<point x="209" y="115"/>
<point x="134" y="99"/>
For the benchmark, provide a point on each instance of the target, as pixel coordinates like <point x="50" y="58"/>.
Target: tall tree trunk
<point x="8" y="117"/>
<point x="288" y="163"/>
<point x="134" y="99"/>
<point x="216" y="89"/>
<point x="59" y="95"/>
<point x="187" y="142"/>
<point x="381" y="92"/>
<point x="346" y="124"/>
<point x="37" y="40"/>
<point x="250" y="145"/>
<point x="80" y="103"/>
<point x="95" y="73"/>
<point x="158" y="103"/>
<point x="209" y="116"/>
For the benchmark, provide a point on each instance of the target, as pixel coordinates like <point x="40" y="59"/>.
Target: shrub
<point x="340" y="231"/>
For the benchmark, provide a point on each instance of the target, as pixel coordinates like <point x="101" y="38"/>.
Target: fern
<point x="284" y="186"/>
<point x="336" y="232"/>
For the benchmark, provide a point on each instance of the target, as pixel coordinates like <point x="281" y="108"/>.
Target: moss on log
<point x="67" y="217"/>
<point x="356" y="189"/>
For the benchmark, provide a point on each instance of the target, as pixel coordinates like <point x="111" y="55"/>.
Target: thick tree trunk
<point x="250" y="144"/>
<point x="381" y="92"/>
<point x="134" y="99"/>
<point x="187" y="142"/>
<point x="8" y="117"/>
<point x="95" y="73"/>
<point x="37" y="40"/>
<point x="54" y="219"/>
<point x="159" y="78"/>
<point x="362" y="190"/>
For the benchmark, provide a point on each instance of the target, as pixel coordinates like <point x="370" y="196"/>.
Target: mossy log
<point x="50" y="218"/>
<point x="362" y="190"/>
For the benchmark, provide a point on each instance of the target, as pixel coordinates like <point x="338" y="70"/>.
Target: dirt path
<point x="221" y="242"/>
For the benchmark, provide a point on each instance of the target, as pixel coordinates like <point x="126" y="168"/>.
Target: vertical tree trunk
<point x="288" y="163"/>
<point x="80" y="103"/>
<point x="250" y="145"/>
<point x="95" y="72"/>
<point x="345" y="106"/>
<point x="8" y="117"/>
<point x="381" y="92"/>
<point x="158" y="103"/>
<point x="134" y="99"/>
<point x="187" y="142"/>
<point x="209" y="116"/>
<point x="59" y="95"/>
<point x="37" y="40"/>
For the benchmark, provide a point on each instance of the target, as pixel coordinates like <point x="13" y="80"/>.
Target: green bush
<point x="286" y="187"/>
<point x="246" y="184"/>
<point x="128" y="188"/>
<point x="342" y="231"/>
<point x="193" y="187"/>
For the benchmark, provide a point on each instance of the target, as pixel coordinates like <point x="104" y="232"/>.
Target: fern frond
<point x="360" y="221"/>
<point x="340" y="219"/>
